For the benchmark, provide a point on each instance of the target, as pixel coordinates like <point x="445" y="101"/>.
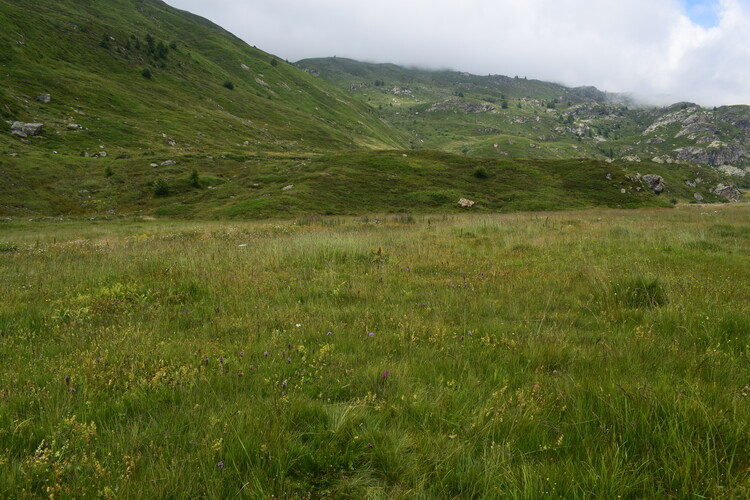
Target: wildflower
<point x="242" y="354"/>
<point x="205" y="361"/>
<point x="298" y="325"/>
<point x="67" y="380"/>
<point x="221" y="360"/>
<point x="72" y="390"/>
<point x="240" y="374"/>
<point x="220" y="465"/>
<point x="329" y="333"/>
<point x="265" y="353"/>
<point x="385" y="375"/>
<point x="371" y="334"/>
<point x="283" y="384"/>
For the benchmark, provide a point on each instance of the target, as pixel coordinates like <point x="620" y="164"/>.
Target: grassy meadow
<point x="586" y="354"/>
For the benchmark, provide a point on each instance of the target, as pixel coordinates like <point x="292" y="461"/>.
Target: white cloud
<point x="649" y="48"/>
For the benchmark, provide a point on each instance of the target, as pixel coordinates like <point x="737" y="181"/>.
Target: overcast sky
<point x="662" y="51"/>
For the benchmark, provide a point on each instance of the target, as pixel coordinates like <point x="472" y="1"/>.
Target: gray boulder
<point x="728" y="192"/>
<point x="22" y="129"/>
<point x="44" y="98"/>
<point x="655" y="183"/>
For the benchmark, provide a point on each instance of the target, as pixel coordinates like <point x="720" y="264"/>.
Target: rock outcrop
<point x="466" y="203"/>
<point x="22" y="129"/>
<point x="731" y="192"/>
<point x="655" y="183"/>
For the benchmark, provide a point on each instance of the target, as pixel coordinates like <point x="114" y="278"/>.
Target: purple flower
<point x="329" y="333"/>
<point x="221" y="360"/>
<point x="385" y="375"/>
<point x="371" y="334"/>
<point x="242" y="354"/>
<point x="283" y="384"/>
<point x="72" y="390"/>
<point x="67" y="380"/>
<point x="265" y="353"/>
<point x="220" y="465"/>
<point x="205" y="361"/>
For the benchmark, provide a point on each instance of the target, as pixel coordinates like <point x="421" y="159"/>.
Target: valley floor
<point x="587" y="354"/>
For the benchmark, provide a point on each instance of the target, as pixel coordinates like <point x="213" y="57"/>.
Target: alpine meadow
<point x="228" y="275"/>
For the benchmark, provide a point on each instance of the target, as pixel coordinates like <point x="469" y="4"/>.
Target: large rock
<point x="728" y="192"/>
<point x="655" y="183"/>
<point x="466" y="203"/>
<point x="22" y="129"/>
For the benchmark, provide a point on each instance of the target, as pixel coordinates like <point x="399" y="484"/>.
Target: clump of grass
<point x="8" y="247"/>
<point x="640" y="292"/>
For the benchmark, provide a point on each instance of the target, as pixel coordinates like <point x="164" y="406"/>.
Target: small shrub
<point x="108" y="172"/>
<point x="274" y="62"/>
<point x="161" y="187"/>
<point x="481" y="173"/>
<point x="146" y="73"/>
<point x="640" y="292"/>
<point x="195" y="179"/>
<point x="229" y="85"/>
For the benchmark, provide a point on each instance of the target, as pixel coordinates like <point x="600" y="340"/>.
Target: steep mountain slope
<point x="137" y="75"/>
<point x="498" y="116"/>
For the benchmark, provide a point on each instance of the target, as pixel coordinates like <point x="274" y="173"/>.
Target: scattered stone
<point x="287" y="188"/>
<point x="74" y="126"/>
<point x="154" y="165"/>
<point x="609" y="177"/>
<point x="168" y="163"/>
<point x="623" y="191"/>
<point x="102" y="154"/>
<point x="172" y="142"/>
<point x="245" y="67"/>
<point x="655" y="183"/>
<point x="466" y="203"/>
<point x="728" y="192"/>
<point x="698" y="197"/>
<point x="44" y="98"/>
<point x="13" y="154"/>
<point x="22" y="129"/>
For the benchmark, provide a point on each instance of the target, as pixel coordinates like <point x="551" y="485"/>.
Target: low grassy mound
<point x="255" y="186"/>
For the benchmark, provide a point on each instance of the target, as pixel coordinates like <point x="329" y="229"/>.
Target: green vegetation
<point x="498" y="116"/>
<point x="110" y="67"/>
<point x="597" y="354"/>
<point x="252" y="185"/>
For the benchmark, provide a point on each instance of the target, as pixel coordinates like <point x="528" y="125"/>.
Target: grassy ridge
<point x="252" y="185"/>
<point x="594" y="354"/>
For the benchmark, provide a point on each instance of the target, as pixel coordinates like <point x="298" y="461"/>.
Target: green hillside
<point x="138" y="75"/>
<point x="500" y="116"/>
